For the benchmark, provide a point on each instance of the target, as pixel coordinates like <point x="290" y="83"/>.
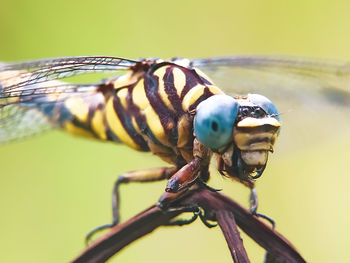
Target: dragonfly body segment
<point x="170" y="108"/>
<point x="147" y="109"/>
<point x="150" y="108"/>
<point x="151" y="111"/>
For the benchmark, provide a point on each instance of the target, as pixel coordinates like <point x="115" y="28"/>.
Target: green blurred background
<point x="55" y="188"/>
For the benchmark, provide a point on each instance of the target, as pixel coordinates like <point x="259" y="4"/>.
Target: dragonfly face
<point x="240" y="131"/>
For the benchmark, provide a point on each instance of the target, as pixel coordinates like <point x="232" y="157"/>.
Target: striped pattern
<point x="148" y="111"/>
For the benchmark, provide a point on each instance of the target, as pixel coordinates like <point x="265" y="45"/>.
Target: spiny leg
<point x="190" y="174"/>
<point x="253" y="200"/>
<point x="184" y="177"/>
<point x="181" y="222"/>
<point x="181" y="181"/>
<point x="197" y="167"/>
<point x="196" y="212"/>
<point x="201" y="182"/>
<point x="204" y="219"/>
<point x="144" y="175"/>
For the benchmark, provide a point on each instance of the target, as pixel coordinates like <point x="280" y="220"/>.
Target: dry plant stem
<point x="123" y="234"/>
<point x="234" y="241"/>
<point x="216" y="206"/>
<point x="274" y="243"/>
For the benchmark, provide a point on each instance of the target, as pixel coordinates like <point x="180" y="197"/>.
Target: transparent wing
<point x="330" y="79"/>
<point x="29" y="109"/>
<point x="17" y="122"/>
<point x="32" y="72"/>
<point x="28" y="90"/>
<point x="313" y="96"/>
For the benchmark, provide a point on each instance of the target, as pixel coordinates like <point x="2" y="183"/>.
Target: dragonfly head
<point x="240" y="131"/>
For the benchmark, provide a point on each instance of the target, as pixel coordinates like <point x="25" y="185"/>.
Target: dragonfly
<point x="174" y="110"/>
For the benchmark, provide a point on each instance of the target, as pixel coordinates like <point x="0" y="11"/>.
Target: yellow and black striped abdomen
<point x="149" y="113"/>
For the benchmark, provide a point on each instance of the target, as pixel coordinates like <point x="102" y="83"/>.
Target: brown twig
<point x="227" y="223"/>
<point x="217" y="207"/>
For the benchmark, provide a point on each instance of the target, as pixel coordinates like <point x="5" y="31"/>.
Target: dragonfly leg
<point x="254" y="207"/>
<point x="187" y="175"/>
<point x="201" y="182"/>
<point x="144" y="175"/>
<point x="184" y="177"/>
<point x="204" y="219"/>
<point x="181" y="222"/>
<point x="197" y="212"/>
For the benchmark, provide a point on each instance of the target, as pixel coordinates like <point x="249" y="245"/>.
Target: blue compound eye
<point x="266" y="104"/>
<point x="214" y="120"/>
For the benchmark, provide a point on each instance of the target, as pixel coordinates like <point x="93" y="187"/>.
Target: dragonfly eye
<point x="258" y="112"/>
<point x="214" y="120"/>
<point x="265" y="104"/>
<point x="245" y="112"/>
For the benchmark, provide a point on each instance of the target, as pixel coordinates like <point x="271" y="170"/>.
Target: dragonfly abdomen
<point x="149" y="113"/>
